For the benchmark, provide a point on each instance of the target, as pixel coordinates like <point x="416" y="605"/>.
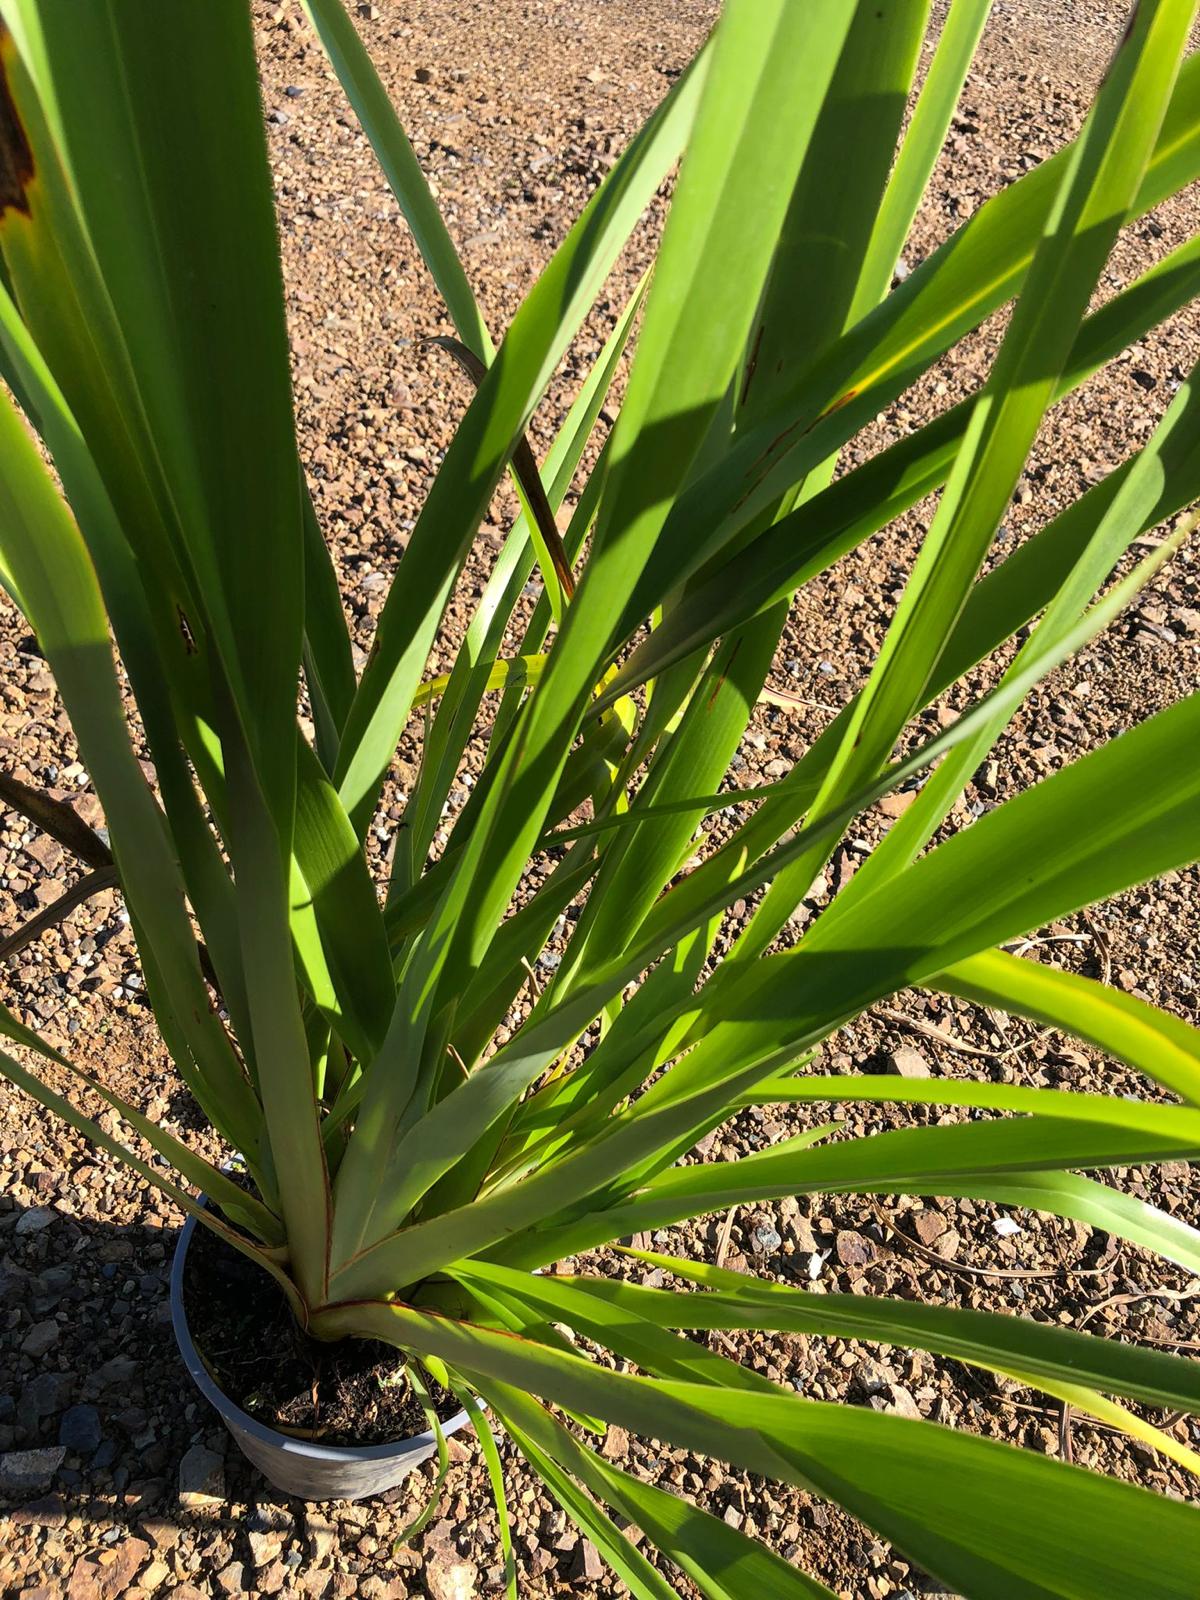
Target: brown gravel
<point x="516" y="110"/>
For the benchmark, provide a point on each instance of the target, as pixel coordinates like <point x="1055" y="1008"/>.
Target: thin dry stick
<point x="1032" y="942"/>
<point x="1189" y="1293"/>
<point x="525" y="466"/>
<point x="783" y="698"/>
<point x="94" y="883"/>
<point x="1084" y="1419"/>
<point x="929" y="1031"/>
<point x="1103" y="948"/>
<point x="1066" y="1448"/>
<point x="718" y="1336"/>
<point x="950" y="1265"/>
<point x="723" y="1240"/>
<point x="457" y="1060"/>
<point x="56" y="818"/>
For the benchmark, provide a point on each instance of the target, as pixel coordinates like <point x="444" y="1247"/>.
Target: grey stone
<point x="201" y="1478"/>
<point x="42" y="1396"/>
<point x="908" y="1063"/>
<point x="42" y="1337"/>
<point x="30" y="1471"/>
<point x="79" y="1430"/>
<point x="764" y="1240"/>
<point x="115" y="1372"/>
<point x="55" y="1281"/>
<point x="35" y="1219"/>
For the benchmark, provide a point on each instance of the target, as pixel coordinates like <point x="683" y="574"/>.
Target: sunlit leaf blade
<point x="834" y="204"/>
<point x="328" y="662"/>
<point x="722" y="1563"/>
<point x="458" y="498"/>
<point x="390" y="143"/>
<point x="860" y="502"/>
<point x="485" y="440"/>
<point x="999" y="1341"/>
<point x="922" y="144"/>
<point x="1096" y="192"/>
<point x="947" y="1498"/>
<point x="980" y="267"/>
<point x="347" y="915"/>
<point x="55" y="576"/>
<point x="187" y="249"/>
<point x="1166" y="1048"/>
<point x="484" y="637"/>
<point x="626" y="1560"/>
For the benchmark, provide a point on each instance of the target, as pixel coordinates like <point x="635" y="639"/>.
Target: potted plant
<point x="423" y="1124"/>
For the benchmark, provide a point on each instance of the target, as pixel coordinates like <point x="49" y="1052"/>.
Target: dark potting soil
<point x="355" y="1392"/>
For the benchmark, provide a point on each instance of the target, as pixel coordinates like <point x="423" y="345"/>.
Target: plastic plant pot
<point x="300" y="1467"/>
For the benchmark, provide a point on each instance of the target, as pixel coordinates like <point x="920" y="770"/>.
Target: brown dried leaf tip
<point x="16" y="157"/>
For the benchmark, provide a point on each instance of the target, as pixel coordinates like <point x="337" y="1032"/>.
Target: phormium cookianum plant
<point x="405" y="1176"/>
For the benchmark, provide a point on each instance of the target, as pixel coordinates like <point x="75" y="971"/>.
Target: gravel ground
<point x="117" y="1479"/>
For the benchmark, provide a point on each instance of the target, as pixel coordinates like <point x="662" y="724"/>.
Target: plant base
<point x="300" y="1467"/>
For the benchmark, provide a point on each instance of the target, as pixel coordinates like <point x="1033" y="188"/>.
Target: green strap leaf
<point x="1164" y="1047"/>
<point x="731" y="196"/>
<point x="485" y="439"/>
<point x="987" y="1340"/>
<point x="328" y="661"/>
<point x="58" y="583"/>
<point x="491" y="1457"/>
<point x="243" y="1208"/>
<point x="622" y="1555"/>
<point x="187" y="250"/>
<point x="383" y="127"/>
<point x="351" y="943"/>
<point x="995" y="1160"/>
<point x="999" y="1342"/>
<point x="948" y="1499"/>
<point x="807" y="541"/>
<point x="645" y="1341"/>
<point x="815" y="275"/>
<point x="921" y="147"/>
<point x="243" y="1242"/>
<point x="486" y="633"/>
<point x="1096" y="192"/>
<point x="722" y="1563"/>
<point x="974" y="273"/>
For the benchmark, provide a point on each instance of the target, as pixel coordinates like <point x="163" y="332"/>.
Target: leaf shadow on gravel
<point x="101" y="1430"/>
<point x="117" y="1479"/>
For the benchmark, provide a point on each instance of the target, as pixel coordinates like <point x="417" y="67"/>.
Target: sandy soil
<point x="516" y="109"/>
